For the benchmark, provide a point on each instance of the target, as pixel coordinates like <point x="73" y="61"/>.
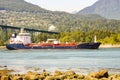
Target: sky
<point x="63" y="5"/>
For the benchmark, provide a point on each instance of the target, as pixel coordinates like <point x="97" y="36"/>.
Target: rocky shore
<point x="103" y="74"/>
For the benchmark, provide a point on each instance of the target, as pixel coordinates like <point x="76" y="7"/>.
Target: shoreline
<point x="109" y="46"/>
<point x="83" y="70"/>
<point x="2" y="47"/>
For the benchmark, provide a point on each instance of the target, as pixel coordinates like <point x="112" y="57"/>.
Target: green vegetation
<point x="73" y="27"/>
<point x="106" y="37"/>
<point x="113" y="39"/>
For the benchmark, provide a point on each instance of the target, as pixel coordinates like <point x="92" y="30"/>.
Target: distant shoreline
<point x="2" y="47"/>
<point x="110" y="46"/>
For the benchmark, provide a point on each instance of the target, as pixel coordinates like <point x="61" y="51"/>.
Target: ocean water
<point x="81" y="61"/>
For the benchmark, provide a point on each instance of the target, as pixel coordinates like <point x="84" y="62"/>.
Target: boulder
<point x="100" y="74"/>
<point x="69" y="73"/>
<point x="57" y="73"/>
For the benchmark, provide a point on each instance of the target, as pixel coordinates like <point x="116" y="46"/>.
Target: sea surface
<point x="81" y="61"/>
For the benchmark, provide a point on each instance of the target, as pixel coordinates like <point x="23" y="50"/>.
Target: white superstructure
<point x="22" y="37"/>
<point x="25" y="38"/>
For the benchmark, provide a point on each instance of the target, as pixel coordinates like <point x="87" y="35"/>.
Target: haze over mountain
<point x="107" y="8"/>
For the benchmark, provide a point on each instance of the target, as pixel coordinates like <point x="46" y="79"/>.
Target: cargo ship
<point x="23" y="41"/>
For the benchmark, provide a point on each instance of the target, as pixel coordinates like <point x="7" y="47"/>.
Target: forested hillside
<point x="71" y="26"/>
<point x="23" y="14"/>
<point x="61" y="20"/>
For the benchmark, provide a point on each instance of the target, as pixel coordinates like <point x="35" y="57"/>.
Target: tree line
<point x="103" y="36"/>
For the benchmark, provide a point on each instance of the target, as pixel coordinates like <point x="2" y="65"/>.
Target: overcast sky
<point x="63" y="5"/>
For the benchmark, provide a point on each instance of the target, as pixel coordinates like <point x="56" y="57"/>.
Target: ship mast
<point x="95" y="39"/>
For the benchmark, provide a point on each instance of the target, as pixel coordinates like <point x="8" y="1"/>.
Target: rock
<point x="36" y="69"/>
<point x="100" y="74"/>
<point x="44" y="70"/>
<point x="80" y="76"/>
<point x="4" y="78"/>
<point x="68" y="73"/>
<point x="114" y="77"/>
<point x="56" y="73"/>
<point x="5" y="71"/>
<point x="17" y="78"/>
<point x="62" y="77"/>
<point x="4" y="66"/>
<point x="88" y="77"/>
<point x="41" y="77"/>
<point x="45" y="74"/>
<point x="31" y="75"/>
<point x="50" y="78"/>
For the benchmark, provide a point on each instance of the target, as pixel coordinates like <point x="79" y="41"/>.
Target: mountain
<point x="23" y="14"/>
<point x="90" y="17"/>
<point x="107" y="8"/>
<point x="20" y="6"/>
